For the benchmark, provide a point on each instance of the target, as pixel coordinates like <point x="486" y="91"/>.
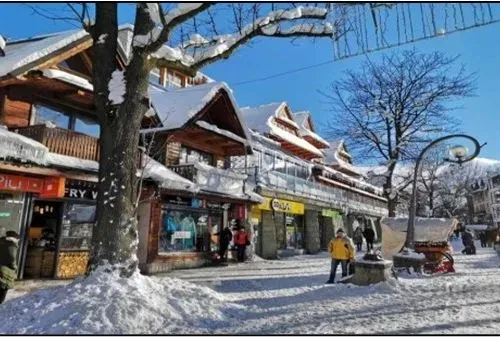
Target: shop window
<point x="77" y="224"/>
<point x="188" y="231"/>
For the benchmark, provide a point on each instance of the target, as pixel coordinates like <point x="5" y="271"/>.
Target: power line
<point x="283" y="73"/>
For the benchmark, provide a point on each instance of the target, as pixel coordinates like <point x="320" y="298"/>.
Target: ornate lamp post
<point x="458" y="154"/>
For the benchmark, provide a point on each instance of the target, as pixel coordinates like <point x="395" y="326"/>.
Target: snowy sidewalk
<point x="290" y="297"/>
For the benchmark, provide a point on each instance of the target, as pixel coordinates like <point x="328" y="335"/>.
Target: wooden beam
<point x="66" y="54"/>
<point x="86" y="61"/>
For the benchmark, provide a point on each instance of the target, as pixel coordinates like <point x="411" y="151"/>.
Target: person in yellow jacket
<point x="342" y="251"/>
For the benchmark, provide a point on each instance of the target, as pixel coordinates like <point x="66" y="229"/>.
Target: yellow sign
<point x="280" y="205"/>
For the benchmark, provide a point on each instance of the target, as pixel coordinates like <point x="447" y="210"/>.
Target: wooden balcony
<point x="63" y="141"/>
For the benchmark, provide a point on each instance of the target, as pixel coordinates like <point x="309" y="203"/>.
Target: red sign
<point x="20" y="183"/>
<point x="50" y="187"/>
<point x="53" y="187"/>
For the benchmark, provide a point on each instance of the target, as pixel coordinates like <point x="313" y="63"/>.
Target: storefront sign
<point x="330" y="213"/>
<point x="279" y="205"/>
<point x="180" y="201"/>
<point x="214" y="205"/>
<point x="80" y="190"/>
<point x="19" y="183"/>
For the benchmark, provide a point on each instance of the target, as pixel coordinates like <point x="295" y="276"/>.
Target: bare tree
<point x="390" y="110"/>
<point x="184" y="37"/>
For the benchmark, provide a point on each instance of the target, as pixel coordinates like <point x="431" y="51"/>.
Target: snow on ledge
<point x="16" y="146"/>
<point x="55" y="159"/>
<point x="68" y="78"/>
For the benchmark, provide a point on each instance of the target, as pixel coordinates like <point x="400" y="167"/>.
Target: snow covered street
<point x="269" y="297"/>
<point x="290" y="297"/>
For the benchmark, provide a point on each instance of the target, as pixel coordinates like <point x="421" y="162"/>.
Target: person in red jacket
<point x="241" y="240"/>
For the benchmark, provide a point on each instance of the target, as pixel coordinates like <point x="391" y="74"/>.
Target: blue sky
<point x="478" y="49"/>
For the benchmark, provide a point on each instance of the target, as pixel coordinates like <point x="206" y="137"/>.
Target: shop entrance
<point x="42" y="238"/>
<point x="294" y="232"/>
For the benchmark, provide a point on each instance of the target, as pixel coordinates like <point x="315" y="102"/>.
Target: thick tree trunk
<point x="115" y="236"/>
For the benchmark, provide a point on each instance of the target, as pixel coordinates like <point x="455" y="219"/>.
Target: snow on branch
<point x="200" y="51"/>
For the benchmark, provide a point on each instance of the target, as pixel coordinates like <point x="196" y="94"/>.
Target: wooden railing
<point x="63" y="141"/>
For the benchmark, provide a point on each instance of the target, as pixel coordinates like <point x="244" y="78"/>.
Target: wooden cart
<point x="437" y="257"/>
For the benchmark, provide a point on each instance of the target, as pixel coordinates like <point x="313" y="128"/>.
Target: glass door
<point x="11" y="212"/>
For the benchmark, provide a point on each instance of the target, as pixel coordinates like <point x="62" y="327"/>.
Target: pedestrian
<point x="341" y="251"/>
<point x="482" y="238"/>
<point x="224" y="238"/>
<point x="241" y="242"/>
<point x="8" y="262"/>
<point x="369" y="237"/>
<point x="358" y="238"/>
<point x="468" y="242"/>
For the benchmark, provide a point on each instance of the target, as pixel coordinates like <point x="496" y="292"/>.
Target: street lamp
<point x="458" y="155"/>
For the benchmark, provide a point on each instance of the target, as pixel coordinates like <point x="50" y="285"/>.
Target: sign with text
<point x="11" y="182"/>
<point x="84" y="190"/>
<point x="283" y="206"/>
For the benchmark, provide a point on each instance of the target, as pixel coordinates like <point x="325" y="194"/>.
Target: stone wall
<point x="312" y="232"/>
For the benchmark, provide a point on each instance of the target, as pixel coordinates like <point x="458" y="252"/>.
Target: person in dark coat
<point x="369" y="234"/>
<point x="224" y="238"/>
<point x="358" y="238"/>
<point x="482" y="238"/>
<point x="8" y="262"/>
<point x="468" y="242"/>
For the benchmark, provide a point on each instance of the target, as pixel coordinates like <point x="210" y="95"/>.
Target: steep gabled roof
<point x="22" y="55"/>
<point x="256" y="118"/>
<point x="177" y="108"/>
<point x="304" y="119"/>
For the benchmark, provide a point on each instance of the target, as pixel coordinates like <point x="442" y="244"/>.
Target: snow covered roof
<point x="175" y="108"/>
<point x="25" y="52"/>
<point x="291" y="138"/>
<point x="302" y="119"/>
<point x="19" y="54"/>
<point x="18" y="147"/>
<point x="257" y="117"/>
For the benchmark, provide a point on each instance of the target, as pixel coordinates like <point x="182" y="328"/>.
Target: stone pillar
<point x="311" y="226"/>
<point x="371" y="272"/>
<point x="327" y="233"/>
<point x="348" y="222"/>
<point x="268" y="236"/>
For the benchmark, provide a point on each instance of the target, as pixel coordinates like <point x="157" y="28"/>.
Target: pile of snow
<point x="105" y="303"/>
<point x="16" y="146"/>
